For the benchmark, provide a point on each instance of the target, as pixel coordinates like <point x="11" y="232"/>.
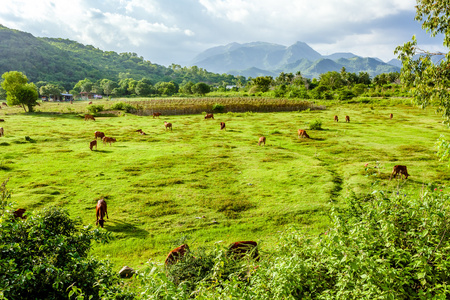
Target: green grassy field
<point x="200" y="185"/>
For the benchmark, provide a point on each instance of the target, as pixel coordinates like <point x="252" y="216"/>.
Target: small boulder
<point x="126" y="272"/>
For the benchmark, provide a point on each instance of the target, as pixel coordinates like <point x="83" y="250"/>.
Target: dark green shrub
<point x="315" y="125"/>
<point x="46" y="257"/>
<point x="123" y="106"/>
<point x="218" y="108"/>
<point x="93" y="109"/>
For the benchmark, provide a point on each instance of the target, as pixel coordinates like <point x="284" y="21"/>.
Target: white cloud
<point x="166" y="31"/>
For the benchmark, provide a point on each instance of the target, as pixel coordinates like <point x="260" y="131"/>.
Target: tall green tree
<point x="200" y="88"/>
<point x="51" y="90"/>
<point x="262" y="83"/>
<point x="19" y="91"/>
<point x="427" y="80"/>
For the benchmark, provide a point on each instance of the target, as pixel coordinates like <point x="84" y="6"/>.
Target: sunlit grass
<point x="200" y="185"/>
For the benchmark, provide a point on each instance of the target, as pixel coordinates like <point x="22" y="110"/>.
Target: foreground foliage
<point x="46" y="257"/>
<point x="382" y="247"/>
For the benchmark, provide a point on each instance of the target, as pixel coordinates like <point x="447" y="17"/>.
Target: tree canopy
<point x="427" y="73"/>
<point x="19" y="91"/>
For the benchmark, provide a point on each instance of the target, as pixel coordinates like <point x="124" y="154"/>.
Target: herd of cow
<point x="238" y="249"/>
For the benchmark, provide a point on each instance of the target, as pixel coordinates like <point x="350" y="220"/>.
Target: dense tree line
<point x="331" y="85"/>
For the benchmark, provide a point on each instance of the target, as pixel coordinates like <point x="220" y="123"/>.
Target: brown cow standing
<point x="2" y="131"/>
<point x="209" y="116"/>
<point x="391" y="116"/>
<point x="347" y="119"/>
<point x="398" y="169"/>
<point x="156" y="114"/>
<point x="99" y="134"/>
<point x="101" y="211"/>
<point x="336" y="118"/>
<point x="108" y="140"/>
<point x="262" y="140"/>
<point x="93" y="144"/>
<point x="89" y="117"/>
<point x="302" y="133"/>
<point x="4" y="104"/>
<point x="176" y="254"/>
<point x="222" y="125"/>
<point x="168" y="125"/>
<point x="19" y="213"/>
<point x="241" y="249"/>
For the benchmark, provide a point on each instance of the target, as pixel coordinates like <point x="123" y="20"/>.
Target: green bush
<point x="218" y="108"/>
<point x="123" y="106"/>
<point x="46" y="257"/>
<point x="93" y="109"/>
<point x="315" y="125"/>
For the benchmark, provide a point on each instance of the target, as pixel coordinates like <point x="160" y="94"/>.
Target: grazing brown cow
<point x="2" y="132"/>
<point x="176" y="254"/>
<point x="262" y="140"/>
<point x="156" y="114"/>
<point x="89" y="117"/>
<point x="168" y="125"/>
<point x="336" y="118"/>
<point x="347" y="119"/>
<point x="141" y="132"/>
<point x="90" y="103"/>
<point x="4" y="104"/>
<point x="108" y="140"/>
<point x="99" y="134"/>
<point x="222" y="125"/>
<point x="93" y="144"/>
<point x="2" y="120"/>
<point x="241" y="249"/>
<point x="101" y="211"/>
<point x="19" y="213"/>
<point x="209" y="116"/>
<point x="302" y="133"/>
<point x="391" y="116"/>
<point x="398" y="169"/>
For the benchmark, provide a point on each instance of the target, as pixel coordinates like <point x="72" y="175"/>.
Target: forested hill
<point x="66" y="62"/>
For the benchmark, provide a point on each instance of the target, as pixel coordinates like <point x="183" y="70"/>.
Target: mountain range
<point x="261" y="59"/>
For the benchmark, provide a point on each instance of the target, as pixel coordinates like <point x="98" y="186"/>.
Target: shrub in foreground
<point x="381" y="247"/>
<point x="46" y="257"/>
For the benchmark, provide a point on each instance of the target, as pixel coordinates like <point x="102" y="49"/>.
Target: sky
<point x="175" y="31"/>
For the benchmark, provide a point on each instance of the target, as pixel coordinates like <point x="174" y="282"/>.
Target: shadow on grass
<point x="103" y="151"/>
<point x="125" y="228"/>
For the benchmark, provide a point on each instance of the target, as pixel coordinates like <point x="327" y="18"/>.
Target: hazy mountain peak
<point x="259" y="57"/>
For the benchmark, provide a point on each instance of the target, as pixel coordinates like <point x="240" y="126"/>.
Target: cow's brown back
<point x="93" y="144"/>
<point x="302" y="133"/>
<point x="101" y="211"/>
<point x="399" y="169"/>
<point x="108" y="140"/>
<point x="243" y="248"/>
<point x="168" y="125"/>
<point x="89" y="117"/>
<point x="19" y="213"/>
<point x="176" y="254"/>
<point x="262" y="140"/>
<point x="99" y="134"/>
